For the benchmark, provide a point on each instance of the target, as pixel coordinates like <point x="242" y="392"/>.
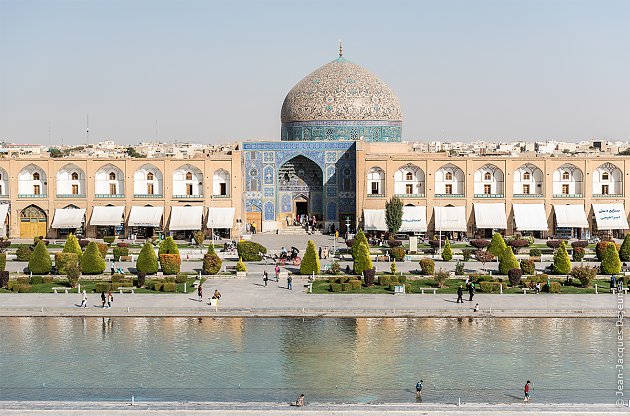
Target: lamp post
<point x="347" y="225"/>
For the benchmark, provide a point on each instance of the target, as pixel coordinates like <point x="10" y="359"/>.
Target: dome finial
<point x="340" y="49"/>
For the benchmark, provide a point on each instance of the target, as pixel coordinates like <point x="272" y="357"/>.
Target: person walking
<point x="471" y="291"/>
<point x="320" y="252"/>
<point x="103" y="299"/>
<point x="113" y="267"/>
<point x="527" y="388"/>
<point x="83" y="300"/>
<point x="289" y="282"/>
<point x="419" y="389"/>
<point x="460" y="294"/>
<point x="476" y="309"/>
<point x="277" y="270"/>
<point x="265" y="277"/>
<point x="110" y="299"/>
<point x="253" y="227"/>
<point x="199" y="293"/>
<point x="336" y="235"/>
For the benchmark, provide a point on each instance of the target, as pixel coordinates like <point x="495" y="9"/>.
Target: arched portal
<point x="33" y="222"/>
<point x="300" y="183"/>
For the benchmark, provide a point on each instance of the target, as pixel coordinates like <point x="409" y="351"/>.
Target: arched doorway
<point x="33" y="222"/>
<point x="300" y="182"/>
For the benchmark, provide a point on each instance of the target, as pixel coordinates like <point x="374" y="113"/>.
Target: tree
<point x="240" y="266"/>
<point x="132" y="152"/>
<point x="199" y="237"/>
<point x="92" y="262"/>
<point x="358" y="239"/>
<point x="393" y="214"/>
<point x="170" y="260"/>
<point x="362" y="260"/>
<point x="72" y="246"/>
<point x="73" y="273"/>
<point x="611" y="263"/>
<point x="40" y="262"/>
<point x="147" y="260"/>
<point x="484" y="256"/>
<point x="561" y="260"/>
<point x="211" y="261"/>
<point x="54" y="152"/>
<point x="310" y="261"/>
<point x="447" y="253"/>
<point x="497" y="245"/>
<point x="624" y="253"/>
<point x="507" y="261"/>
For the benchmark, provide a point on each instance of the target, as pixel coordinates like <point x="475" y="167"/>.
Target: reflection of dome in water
<point x="341" y="90"/>
<point x="341" y="101"/>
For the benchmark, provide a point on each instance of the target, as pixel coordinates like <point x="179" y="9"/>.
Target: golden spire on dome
<point x="340" y="49"/>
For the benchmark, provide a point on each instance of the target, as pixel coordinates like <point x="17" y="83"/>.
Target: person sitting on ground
<point x="531" y="284"/>
<point x="537" y="287"/>
<point x="217" y="294"/>
<point x="283" y="252"/>
<point x="300" y="401"/>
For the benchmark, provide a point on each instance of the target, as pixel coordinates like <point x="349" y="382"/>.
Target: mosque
<point x="340" y="157"/>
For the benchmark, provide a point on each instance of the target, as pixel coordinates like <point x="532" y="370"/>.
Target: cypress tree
<point x="147" y="260"/>
<point x="358" y="239"/>
<point x="611" y="264"/>
<point x="561" y="260"/>
<point x="624" y="252"/>
<point x="447" y="253"/>
<point x="310" y="261"/>
<point x="507" y="261"/>
<point x="497" y="245"/>
<point x="393" y="214"/>
<point x="362" y="260"/>
<point x="72" y="246"/>
<point x="92" y="262"/>
<point x="40" y="262"/>
<point x="168" y="246"/>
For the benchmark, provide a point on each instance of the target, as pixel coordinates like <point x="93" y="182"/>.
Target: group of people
<point x="616" y="284"/>
<point x="277" y="275"/>
<point x="527" y="390"/>
<point x="216" y="295"/>
<point x="470" y="287"/>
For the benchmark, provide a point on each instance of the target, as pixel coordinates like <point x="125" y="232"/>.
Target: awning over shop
<point x="145" y="216"/>
<point x="450" y="218"/>
<point x="414" y="219"/>
<point x="107" y="216"/>
<point x="490" y="216"/>
<point x="4" y="211"/>
<point x="610" y="216"/>
<point x="374" y="220"/>
<point x="570" y="216"/>
<point x="221" y="217"/>
<point x="530" y="217"/>
<point x="68" y="218"/>
<point x="185" y="218"/>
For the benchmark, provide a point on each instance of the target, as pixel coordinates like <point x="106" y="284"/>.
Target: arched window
<point x="36" y="176"/>
<point x="74" y="176"/>
<point x="409" y="176"/>
<point x="150" y="176"/>
<point x="189" y="176"/>
<point x="604" y="176"/>
<point x="526" y="176"/>
<point x="376" y="181"/>
<point x="565" y="176"/>
<point x="487" y="176"/>
<point x="448" y="176"/>
<point x="112" y="176"/>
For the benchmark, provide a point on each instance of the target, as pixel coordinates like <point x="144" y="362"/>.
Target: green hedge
<point x="117" y="277"/>
<point x="47" y="279"/>
<point x="490" y="287"/>
<point x="346" y="287"/>
<point x="120" y="252"/>
<point x="248" y="250"/>
<point x="384" y="280"/>
<point x="37" y="280"/>
<point x="181" y="278"/>
<point x="556" y="287"/>
<point x="355" y="284"/>
<point x="102" y="287"/>
<point x="24" y="288"/>
<point x="397" y="253"/>
<point x="427" y="266"/>
<point x="335" y="287"/>
<point x="109" y="239"/>
<point x="169" y="287"/>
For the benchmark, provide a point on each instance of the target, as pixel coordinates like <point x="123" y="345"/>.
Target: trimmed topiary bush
<point x="362" y="259"/>
<point x="335" y="287"/>
<point x="168" y="246"/>
<point x="147" y="260"/>
<point x="459" y="268"/>
<point x="392" y="268"/>
<point x="23" y="253"/>
<point x="181" y="278"/>
<point x="120" y="252"/>
<point x="507" y="261"/>
<point x="249" y="250"/>
<point x="335" y="268"/>
<point x="92" y="262"/>
<point x="346" y="287"/>
<point x="484" y="256"/>
<point x="384" y="280"/>
<point x="72" y="246"/>
<point x="40" y="262"/>
<point x="310" y="261"/>
<point x="102" y="248"/>
<point x="554" y="243"/>
<point x="170" y="263"/>
<point x="397" y="253"/>
<point x="578" y="253"/>
<point x="427" y="266"/>
<point x="168" y="287"/>
<point x="199" y="237"/>
<point x="517" y="244"/>
<point x="355" y="284"/>
<point x="584" y="274"/>
<point x="440" y="277"/>
<point x="561" y="261"/>
<point x="3" y="261"/>
<point x="490" y="287"/>
<point x="624" y="251"/>
<point x="610" y="261"/>
<point x="480" y="243"/>
<point x="528" y="267"/>
<point x="467" y="253"/>
<point x="102" y="287"/>
<point x="211" y="261"/>
<point x="554" y="288"/>
<point x="368" y="276"/>
<point x="579" y="243"/>
<point x="497" y="245"/>
<point x="240" y="266"/>
<point x="394" y="243"/>
<point x="37" y="280"/>
<point x="514" y="275"/>
<point x="109" y="239"/>
<point x="358" y="239"/>
<point x="65" y="260"/>
<point x="447" y="253"/>
<point x="535" y="252"/>
<point x="601" y="247"/>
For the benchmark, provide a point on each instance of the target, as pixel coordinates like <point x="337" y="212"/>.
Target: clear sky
<point x="214" y="72"/>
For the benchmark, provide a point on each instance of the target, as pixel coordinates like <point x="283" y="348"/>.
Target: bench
<point x="612" y="290"/>
<point x="428" y="289"/>
<point x="527" y="289"/>
<point x="55" y="289"/>
<point x="127" y="289"/>
<point x="382" y="258"/>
